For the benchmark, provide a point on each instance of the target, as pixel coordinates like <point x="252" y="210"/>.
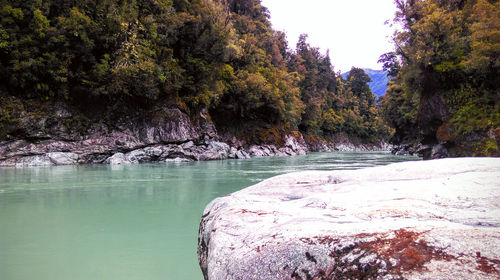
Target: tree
<point x="447" y="56"/>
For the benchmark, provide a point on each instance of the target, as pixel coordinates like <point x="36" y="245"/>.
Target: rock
<point x="232" y="152"/>
<point x="346" y="147"/>
<point x="168" y="126"/>
<point x="294" y="146"/>
<point x="59" y="158"/>
<point x="213" y="151"/>
<point x="439" y="151"/>
<point x="414" y="220"/>
<point x="117" y="159"/>
<point x="241" y="154"/>
<point x="259" y="151"/>
<point x="384" y="146"/>
<point x="64" y="136"/>
<point x="177" y="160"/>
<point x="407" y="149"/>
<point x="432" y="113"/>
<point x="41" y="160"/>
<point x="188" y="145"/>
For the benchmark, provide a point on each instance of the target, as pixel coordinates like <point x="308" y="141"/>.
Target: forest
<point x="219" y="56"/>
<point x="445" y="76"/>
<point x="223" y="57"/>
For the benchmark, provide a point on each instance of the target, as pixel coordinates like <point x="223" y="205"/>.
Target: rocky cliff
<point x="61" y="136"/>
<point x="415" y="220"/>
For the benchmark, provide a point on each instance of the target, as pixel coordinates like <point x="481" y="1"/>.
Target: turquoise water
<point x="127" y="222"/>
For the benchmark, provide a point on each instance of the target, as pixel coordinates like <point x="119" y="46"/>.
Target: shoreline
<point x="168" y="135"/>
<point x="22" y="153"/>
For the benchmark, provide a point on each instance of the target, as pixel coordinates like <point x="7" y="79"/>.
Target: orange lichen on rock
<point x="409" y="252"/>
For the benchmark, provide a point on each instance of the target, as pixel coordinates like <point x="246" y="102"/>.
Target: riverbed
<point x="128" y="221"/>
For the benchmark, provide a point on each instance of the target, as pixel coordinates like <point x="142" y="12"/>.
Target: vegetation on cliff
<point x="215" y="56"/>
<point x="446" y="75"/>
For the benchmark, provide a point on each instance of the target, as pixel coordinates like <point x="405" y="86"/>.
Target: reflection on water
<point x="127" y="222"/>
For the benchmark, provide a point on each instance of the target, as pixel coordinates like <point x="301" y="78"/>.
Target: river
<point x="128" y="222"/>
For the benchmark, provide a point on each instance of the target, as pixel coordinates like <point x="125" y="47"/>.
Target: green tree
<point x="448" y="53"/>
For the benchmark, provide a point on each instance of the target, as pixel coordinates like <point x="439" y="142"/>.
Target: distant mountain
<point x="379" y="81"/>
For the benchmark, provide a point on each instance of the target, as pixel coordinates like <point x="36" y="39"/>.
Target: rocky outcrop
<point x="127" y="149"/>
<point x="414" y="220"/>
<point x="344" y="144"/>
<point x="162" y="134"/>
<point x="166" y="134"/>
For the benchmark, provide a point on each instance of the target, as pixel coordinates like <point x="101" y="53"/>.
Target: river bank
<point x="166" y="134"/>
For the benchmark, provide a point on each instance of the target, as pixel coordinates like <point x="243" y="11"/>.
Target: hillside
<point x="83" y="69"/>
<point x="445" y="93"/>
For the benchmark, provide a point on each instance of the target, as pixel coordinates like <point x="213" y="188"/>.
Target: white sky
<point x="353" y="30"/>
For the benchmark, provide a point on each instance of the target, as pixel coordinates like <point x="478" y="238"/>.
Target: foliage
<point x="217" y="55"/>
<point x="379" y="81"/>
<point x="448" y="49"/>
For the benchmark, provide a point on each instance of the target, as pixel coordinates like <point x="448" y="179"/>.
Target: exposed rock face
<point x="414" y="220"/>
<point x="166" y="134"/>
<point x="344" y="144"/>
<point x="407" y="149"/>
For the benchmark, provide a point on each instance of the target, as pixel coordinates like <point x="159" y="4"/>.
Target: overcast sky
<point x="353" y="30"/>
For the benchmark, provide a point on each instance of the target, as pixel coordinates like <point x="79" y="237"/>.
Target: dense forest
<point x="445" y="69"/>
<point x="214" y="56"/>
<point x="221" y="58"/>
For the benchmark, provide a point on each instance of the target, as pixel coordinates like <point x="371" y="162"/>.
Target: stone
<point x="60" y="158"/>
<point x="435" y="219"/>
<point x="439" y="151"/>
<point x="117" y="159"/>
<point x="214" y="151"/>
<point x="232" y="152"/>
<point x="294" y="146"/>
<point x="32" y="161"/>
<point x="188" y="145"/>
<point x="241" y="154"/>
<point x="177" y="160"/>
<point x="259" y="151"/>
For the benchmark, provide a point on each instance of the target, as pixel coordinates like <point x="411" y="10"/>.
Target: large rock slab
<point x="413" y="220"/>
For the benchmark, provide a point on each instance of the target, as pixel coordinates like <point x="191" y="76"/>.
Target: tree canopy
<point x="446" y="67"/>
<point x="221" y="56"/>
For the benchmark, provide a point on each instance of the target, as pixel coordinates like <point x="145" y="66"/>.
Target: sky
<point x="353" y="30"/>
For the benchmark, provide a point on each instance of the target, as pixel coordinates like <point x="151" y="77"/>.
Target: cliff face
<point x="162" y="135"/>
<point x="62" y="135"/>
<point x="414" y="220"/>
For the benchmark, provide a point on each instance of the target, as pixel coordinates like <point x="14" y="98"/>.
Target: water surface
<point x="128" y="222"/>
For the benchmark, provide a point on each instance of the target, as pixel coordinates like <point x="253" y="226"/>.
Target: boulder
<point x="31" y="161"/>
<point x="294" y="146"/>
<point x="63" y="158"/>
<point x="119" y="158"/>
<point x="414" y="220"/>
<point x="241" y="154"/>
<point x="212" y="151"/>
<point x="439" y="151"/>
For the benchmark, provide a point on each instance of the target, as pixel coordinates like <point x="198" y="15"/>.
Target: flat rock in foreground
<point x="413" y="220"/>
